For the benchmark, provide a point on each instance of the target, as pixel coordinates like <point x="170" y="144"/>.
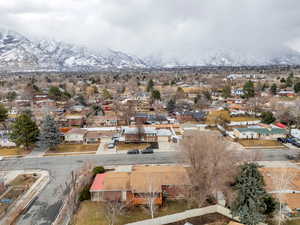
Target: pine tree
<point x="226" y="92"/>
<point x="171" y="105"/>
<point x="274" y="89"/>
<point x="249" y="89"/>
<point x="3" y="113"/>
<point x="150" y="85"/>
<point x="49" y="136"/>
<point x="24" y="131"/>
<point x="250" y="204"/>
<point x="155" y="95"/>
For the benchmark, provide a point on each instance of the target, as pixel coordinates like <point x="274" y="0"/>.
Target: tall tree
<point x="49" y="135"/>
<point x="267" y="117"/>
<point x="290" y="80"/>
<point x="24" y="131"/>
<point x="297" y="87"/>
<point x="150" y="85"/>
<point x="171" y="105"/>
<point x="249" y="205"/>
<point x="213" y="166"/>
<point x="226" y="92"/>
<point x="273" y="89"/>
<point x="249" y="89"/>
<point x="3" y="113"/>
<point x="155" y="95"/>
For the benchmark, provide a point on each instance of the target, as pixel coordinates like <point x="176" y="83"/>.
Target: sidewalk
<point x="37" y="152"/>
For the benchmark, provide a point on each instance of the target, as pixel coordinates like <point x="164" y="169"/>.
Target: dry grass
<point x="293" y="222"/>
<point x="215" y="115"/>
<point x="260" y="143"/>
<point x="67" y="148"/>
<point x="125" y="146"/>
<point x="92" y="213"/>
<point x="243" y="119"/>
<point x="12" y="151"/>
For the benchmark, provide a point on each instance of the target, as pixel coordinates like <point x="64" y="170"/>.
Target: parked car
<point x="134" y="151"/>
<point x="111" y="145"/>
<point x="290" y="157"/>
<point x="297" y="144"/>
<point x="282" y="140"/>
<point x="290" y="140"/>
<point x="147" y="151"/>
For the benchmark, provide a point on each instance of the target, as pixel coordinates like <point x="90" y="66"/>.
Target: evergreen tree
<point x="289" y="80"/>
<point x="267" y="117"/>
<point x="274" y="89"/>
<point x="249" y="89"/>
<point x="171" y="105"/>
<point x="49" y="136"/>
<point x="24" y="131"/>
<point x="250" y="204"/>
<point x="3" y="113"/>
<point x="155" y="95"/>
<point x="297" y="87"/>
<point x="150" y="85"/>
<point x="226" y="92"/>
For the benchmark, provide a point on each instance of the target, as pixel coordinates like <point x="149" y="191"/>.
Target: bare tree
<point x="113" y="209"/>
<point x="282" y="182"/>
<point x="213" y="165"/>
<point x="151" y="195"/>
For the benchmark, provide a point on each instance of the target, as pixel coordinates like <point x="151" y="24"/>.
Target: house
<point x="186" y="116"/>
<point x="140" y="134"/>
<point x="259" y="133"/>
<point x="75" y="135"/>
<point x="107" y="120"/>
<point x="74" y="120"/>
<point x="92" y="137"/>
<point x="134" y="183"/>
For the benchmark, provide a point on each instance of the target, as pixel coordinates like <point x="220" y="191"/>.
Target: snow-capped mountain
<point x="20" y="53"/>
<point x="226" y="58"/>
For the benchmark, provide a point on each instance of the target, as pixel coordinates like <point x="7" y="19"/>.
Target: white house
<point x="75" y="135"/>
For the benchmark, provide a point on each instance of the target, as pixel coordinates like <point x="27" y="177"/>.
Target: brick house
<point x="134" y="183"/>
<point x="140" y="134"/>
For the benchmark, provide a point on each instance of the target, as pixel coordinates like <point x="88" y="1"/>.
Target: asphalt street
<point x="44" y="210"/>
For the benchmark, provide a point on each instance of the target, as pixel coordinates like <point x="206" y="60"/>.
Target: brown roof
<point x="144" y="176"/>
<point x="116" y="181"/>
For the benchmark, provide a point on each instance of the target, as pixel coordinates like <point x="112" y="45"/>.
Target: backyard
<point x="92" y="213"/>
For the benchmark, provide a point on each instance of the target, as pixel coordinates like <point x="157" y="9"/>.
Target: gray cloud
<point x="175" y="28"/>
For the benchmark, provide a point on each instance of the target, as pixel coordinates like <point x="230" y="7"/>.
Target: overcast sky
<point x="172" y="27"/>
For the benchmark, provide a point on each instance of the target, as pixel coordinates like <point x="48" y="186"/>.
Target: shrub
<point x="85" y="194"/>
<point x="98" y="169"/>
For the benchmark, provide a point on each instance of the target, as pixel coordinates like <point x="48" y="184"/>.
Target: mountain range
<point x="20" y="53"/>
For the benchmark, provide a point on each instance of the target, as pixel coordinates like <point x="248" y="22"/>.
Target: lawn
<point x="63" y="148"/>
<point x="12" y="151"/>
<point x="260" y="143"/>
<point x="92" y="213"/>
<point x="129" y="146"/>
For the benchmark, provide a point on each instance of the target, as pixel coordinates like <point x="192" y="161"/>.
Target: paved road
<point x="46" y="207"/>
